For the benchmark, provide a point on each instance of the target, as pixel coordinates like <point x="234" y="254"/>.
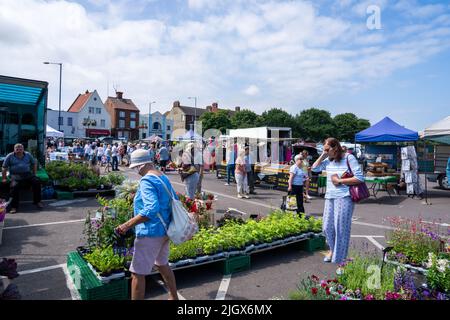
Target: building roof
<point x="79" y="102"/>
<point x="190" y="111"/>
<point x="122" y="104"/>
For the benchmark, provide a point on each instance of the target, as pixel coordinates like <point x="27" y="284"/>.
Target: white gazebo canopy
<point x="50" y="132"/>
<point x="439" y="131"/>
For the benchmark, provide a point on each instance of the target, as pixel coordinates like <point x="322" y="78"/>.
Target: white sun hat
<point x="140" y="157"/>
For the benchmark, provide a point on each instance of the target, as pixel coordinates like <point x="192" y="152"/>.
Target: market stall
<point x="23" y="107"/>
<point x="383" y="162"/>
<point x="53" y="133"/>
<point x="439" y="134"/>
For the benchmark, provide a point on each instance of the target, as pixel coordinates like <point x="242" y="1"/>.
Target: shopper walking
<point x="249" y="170"/>
<point x="306" y="167"/>
<point x="189" y="172"/>
<point x="163" y="157"/>
<point x="240" y="175"/>
<point x="114" y="157"/>
<point x="152" y="204"/>
<point x="230" y="163"/>
<point x="295" y="183"/>
<point x="338" y="211"/>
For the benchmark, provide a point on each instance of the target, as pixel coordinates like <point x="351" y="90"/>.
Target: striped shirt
<point x="339" y="168"/>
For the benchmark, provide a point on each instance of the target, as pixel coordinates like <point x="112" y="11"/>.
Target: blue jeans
<point x="230" y="172"/>
<point x="115" y="163"/>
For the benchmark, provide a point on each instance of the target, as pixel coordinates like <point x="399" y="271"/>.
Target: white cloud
<point x="252" y="90"/>
<point x="290" y="49"/>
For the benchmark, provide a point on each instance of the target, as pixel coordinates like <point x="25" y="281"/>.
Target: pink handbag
<point x="359" y="191"/>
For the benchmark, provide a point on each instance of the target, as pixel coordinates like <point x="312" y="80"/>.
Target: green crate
<point x="236" y="264"/>
<point x="314" y="244"/>
<point x="89" y="286"/>
<point x="64" y="195"/>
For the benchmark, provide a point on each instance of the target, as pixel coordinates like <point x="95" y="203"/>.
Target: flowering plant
<point x="412" y="240"/>
<point x="438" y="275"/>
<point x="312" y="288"/>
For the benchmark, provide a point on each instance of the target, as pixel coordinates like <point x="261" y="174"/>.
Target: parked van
<point x="441" y="166"/>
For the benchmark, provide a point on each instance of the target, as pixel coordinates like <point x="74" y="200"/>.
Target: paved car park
<point x="40" y="241"/>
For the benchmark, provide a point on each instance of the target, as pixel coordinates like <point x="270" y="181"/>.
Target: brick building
<point x="124" y="117"/>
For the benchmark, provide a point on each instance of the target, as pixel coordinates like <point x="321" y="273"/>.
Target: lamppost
<point x="195" y="109"/>
<point x="60" y="77"/>
<point x="150" y="117"/>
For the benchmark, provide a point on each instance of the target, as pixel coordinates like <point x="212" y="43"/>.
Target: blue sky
<point x="255" y="54"/>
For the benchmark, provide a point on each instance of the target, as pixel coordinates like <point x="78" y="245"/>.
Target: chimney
<point x="87" y="91"/>
<point x="176" y="104"/>
<point x="215" y="107"/>
<point x="119" y="95"/>
<point x="209" y="108"/>
<point x="237" y="109"/>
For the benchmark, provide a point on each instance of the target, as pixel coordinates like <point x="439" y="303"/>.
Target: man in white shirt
<point x="115" y="160"/>
<point x="87" y="151"/>
<point x="100" y="153"/>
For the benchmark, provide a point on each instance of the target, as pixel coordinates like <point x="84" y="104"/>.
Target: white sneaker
<point x="239" y="196"/>
<point x="246" y="196"/>
<point x="227" y="184"/>
<point x="308" y="197"/>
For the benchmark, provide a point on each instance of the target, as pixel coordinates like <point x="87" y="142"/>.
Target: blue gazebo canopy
<point x="386" y="130"/>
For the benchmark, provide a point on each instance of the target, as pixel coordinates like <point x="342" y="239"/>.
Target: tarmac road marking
<point x="380" y="226"/>
<point x="41" y="269"/>
<point x="67" y="202"/>
<point x="375" y="242"/>
<point x="223" y="288"/>
<point x="69" y="283"/>
<point x="360" y="236"/>
<point x="43" y="224"/>
<point x="441" y="224"/>
<point x="162" y="284"/>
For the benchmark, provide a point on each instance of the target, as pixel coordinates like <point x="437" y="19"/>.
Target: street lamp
<point x="195" y="108"/>
<point x="60" y="77"/>
<point x="150" y="116"/>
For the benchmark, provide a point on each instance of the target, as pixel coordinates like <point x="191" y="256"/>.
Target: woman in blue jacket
<point x="151" y="247"/>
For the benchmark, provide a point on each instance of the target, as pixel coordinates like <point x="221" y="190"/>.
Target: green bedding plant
<point x="365" y="274"/>
<point x="209" y="240"/>
<point x="236" y="236"/>
<point x="78" y="176"/>
<point x="105" y="260"/>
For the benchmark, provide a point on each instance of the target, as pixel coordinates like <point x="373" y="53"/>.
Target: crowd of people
<point x="109" y="155"/>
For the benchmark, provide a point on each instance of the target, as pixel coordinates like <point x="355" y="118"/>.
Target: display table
<point x="380" y="183"/>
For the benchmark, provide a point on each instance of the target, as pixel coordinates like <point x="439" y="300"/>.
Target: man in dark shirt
<point x="22" y="172"/>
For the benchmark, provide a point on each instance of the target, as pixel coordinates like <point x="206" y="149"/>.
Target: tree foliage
<point x="244" y="119"/>
<point x="216" y="120"/>
<point x="316" y="124"/>
<point x="311" y="124"/>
